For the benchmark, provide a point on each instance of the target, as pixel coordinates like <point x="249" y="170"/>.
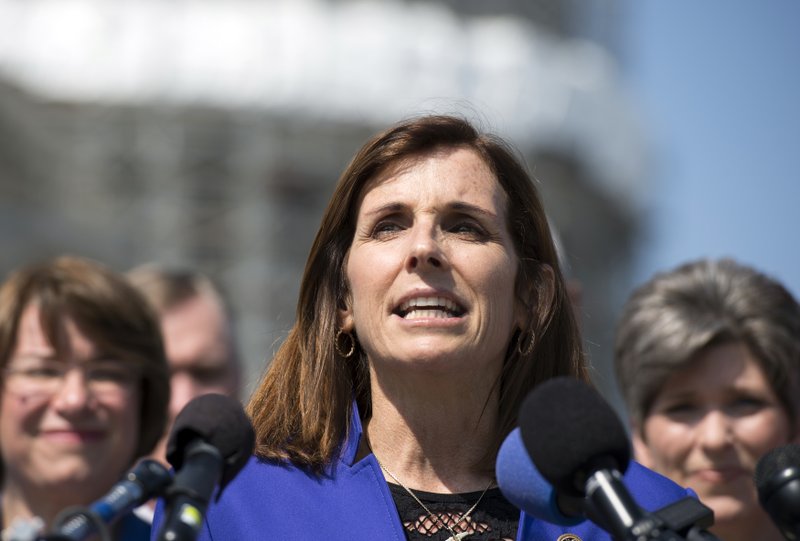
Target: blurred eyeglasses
<point x="44" y="378"/>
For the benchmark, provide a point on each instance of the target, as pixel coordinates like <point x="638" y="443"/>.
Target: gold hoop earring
<point x="529" y="346"/>
<point x="338" y="346"/>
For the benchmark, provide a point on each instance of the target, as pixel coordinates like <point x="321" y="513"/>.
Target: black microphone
<point x="211" y="441"/>
<point x="777" y="480"/>
<point x="581" y="447"/>
<point x="147" y="480"/>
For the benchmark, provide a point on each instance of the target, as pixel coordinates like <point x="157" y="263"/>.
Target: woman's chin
<point x="730" y="510"/>
<point x="67" y="474"/>
<point x="430" y="361"/>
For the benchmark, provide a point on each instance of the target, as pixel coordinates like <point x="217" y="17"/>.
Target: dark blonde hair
<point x="166" y="287"/>
<point x="680" y="313"/>
<point x="301" y="408"/>
<point x="108" y="310"/>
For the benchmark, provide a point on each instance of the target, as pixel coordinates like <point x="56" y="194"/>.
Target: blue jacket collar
<point x="350" y="447"/>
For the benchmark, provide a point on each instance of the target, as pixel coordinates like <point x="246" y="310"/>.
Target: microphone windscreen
<point x="772" y="465"/>
<point x="523" y="485"/>
<point x="777" y="479"/>
<point x="218" y="420"/>
<point x="570" y="432"/>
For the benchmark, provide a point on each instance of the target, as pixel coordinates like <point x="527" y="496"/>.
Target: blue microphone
<point x="523" y="485"/>
<point x="148" y="479"/>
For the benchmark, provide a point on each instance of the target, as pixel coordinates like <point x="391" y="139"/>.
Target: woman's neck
<point x="747" y="528"/>
<point x="433" y="441"/>
<point x="19" y="503"/>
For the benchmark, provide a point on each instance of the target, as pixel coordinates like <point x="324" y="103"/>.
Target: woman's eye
<point x="385" y="228"/>
<point x="108" y="374"/>
<point x="746" y="405"/>
<point x="44" y="372"/>
<point x="463" y="228"/>
<point x="679" y="408"/>
<point x="468" y="228"/>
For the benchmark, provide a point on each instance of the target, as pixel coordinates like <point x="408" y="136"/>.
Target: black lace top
<point x="495" y="519"/>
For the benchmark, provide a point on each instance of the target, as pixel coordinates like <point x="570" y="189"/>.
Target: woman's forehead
<point x="451" y="175"/>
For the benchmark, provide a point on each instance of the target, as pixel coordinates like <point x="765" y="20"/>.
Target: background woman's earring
<point x="336" y="343"/>
<point x="524" y="347"/>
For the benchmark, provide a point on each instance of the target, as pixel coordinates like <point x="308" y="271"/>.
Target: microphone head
<point x="220" y="421"/>
<point x="570" y="432"/>
<point x="151" y="475"/>
<point x="777" y="479"/>
<point x="772" y="465"/>
<point x="523" y="485"/>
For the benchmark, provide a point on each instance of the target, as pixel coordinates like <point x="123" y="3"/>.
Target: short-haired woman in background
<point x="85" y="388"/>
<point x="708" y="360"/>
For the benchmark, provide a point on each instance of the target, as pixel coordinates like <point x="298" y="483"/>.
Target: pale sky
<point x="719" y="81"/>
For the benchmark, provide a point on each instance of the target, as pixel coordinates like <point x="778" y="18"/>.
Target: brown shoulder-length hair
<point x="302" y="406"/>
<point x="108" y="310"/>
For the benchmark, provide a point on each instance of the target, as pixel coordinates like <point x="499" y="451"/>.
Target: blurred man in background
<point x="198" y="335"/>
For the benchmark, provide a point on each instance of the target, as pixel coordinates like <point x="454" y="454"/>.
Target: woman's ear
<point x="530" y="292"/>
<point x="344" y="311"/>
<point x="344" y="319"/>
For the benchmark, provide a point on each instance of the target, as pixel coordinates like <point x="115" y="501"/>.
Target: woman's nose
<point x="715" y="430"/>
<point x="425" y="250"/>
<point x="73" y="394"/>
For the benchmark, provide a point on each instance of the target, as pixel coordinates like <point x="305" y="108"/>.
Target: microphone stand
<point x="684" y="520"/>
<point x="73" y="524"/>
<point x="690" y="518"/>
<point x="78" y="523"/>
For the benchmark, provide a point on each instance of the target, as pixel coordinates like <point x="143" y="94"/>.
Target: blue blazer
<point x="132" y="528"/>
<point x="272" y="500"/>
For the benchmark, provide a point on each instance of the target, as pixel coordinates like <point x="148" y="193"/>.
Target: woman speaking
<point x="431" y="304"/>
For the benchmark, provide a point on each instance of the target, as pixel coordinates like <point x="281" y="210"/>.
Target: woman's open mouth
<point x="429" y="308"/>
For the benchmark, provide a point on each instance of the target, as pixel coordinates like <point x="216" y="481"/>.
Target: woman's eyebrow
<point x="37" y="355"/>
<point x="470" y="208"/>
<point x="460" y="206"/>
<point x="386" y="208"/>
<point x="682" y="394"/>
<point x="103" y="357"/>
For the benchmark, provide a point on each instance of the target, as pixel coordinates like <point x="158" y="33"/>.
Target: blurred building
<point x="211" y="133"/>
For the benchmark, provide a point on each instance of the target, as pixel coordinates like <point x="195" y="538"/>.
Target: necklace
<point x="436" y="519"/>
